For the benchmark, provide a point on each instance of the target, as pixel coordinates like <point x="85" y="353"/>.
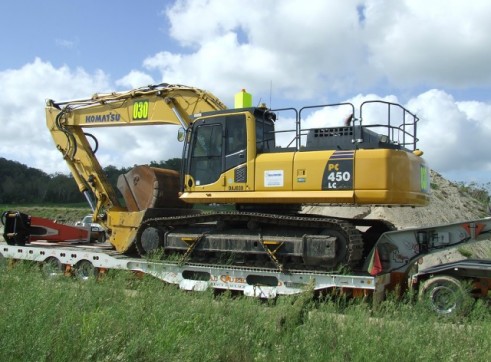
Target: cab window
<point x="206" y="165"/>
<point x="265" y="137"/>
<point x="236" y="141"/>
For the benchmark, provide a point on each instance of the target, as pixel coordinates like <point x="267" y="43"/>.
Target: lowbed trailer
<point x="392" y="262"/>
<point x="85" y="261"/>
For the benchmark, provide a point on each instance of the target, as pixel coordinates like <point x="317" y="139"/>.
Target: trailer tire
<point x="85" y="270"/>
<point x="445" y="295"/>
<point x="52" y="267"/>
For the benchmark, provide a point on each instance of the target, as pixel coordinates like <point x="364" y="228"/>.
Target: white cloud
<point x="67" y="44"/>
<point x="478" y="112"/>
<point x="327" y="47"/>
<point x="320" y="52"/>
<point x="418" y="42"/>
<point x="24" y="135"/>
<point x="26" y="139"/>
<point x="453" y="135"/>
<point x="135" y="79"/>
<point x="298" y="48"/>
<point x="128" y="146"/>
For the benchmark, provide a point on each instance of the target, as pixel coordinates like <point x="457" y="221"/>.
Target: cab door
<point x="206" y="154"/>
<point x="218" y="154"/>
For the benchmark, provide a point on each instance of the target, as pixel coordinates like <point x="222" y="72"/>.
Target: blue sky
<point x="111" y="35"/>
<point x="432" y="57"/>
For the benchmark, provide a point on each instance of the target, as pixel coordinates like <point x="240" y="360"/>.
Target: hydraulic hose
<point x="72" y="144"/>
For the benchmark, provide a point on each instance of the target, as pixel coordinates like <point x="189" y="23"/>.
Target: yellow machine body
<point x="230" y="157"/>
<point x="381" y="176"/>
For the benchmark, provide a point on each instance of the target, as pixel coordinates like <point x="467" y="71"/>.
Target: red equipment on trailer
<point x="21" y="229"/>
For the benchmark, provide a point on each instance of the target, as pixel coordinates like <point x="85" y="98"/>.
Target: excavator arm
<point x="154" y="105"/>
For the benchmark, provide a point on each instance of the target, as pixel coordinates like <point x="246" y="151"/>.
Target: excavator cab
<point x="220" y="147"/>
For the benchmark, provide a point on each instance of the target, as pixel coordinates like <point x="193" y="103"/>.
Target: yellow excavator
<point x="232" y="156"/>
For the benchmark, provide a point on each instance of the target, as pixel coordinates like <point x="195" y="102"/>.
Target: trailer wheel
<point x="85" y="270"/>
<point x="445" y="295"/>
<point x="52" y="267"/>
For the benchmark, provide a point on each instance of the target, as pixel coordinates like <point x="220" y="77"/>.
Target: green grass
<point x="464" y="252"/>
<point x="121" y="318"/>
<point x="64" y="213"/>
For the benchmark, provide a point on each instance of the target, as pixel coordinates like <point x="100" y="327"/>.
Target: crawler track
<point x="346" y="230"/>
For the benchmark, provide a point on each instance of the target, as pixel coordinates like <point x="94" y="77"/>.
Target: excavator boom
<point x="143" y="106"/>
<point x="162" y="104"/>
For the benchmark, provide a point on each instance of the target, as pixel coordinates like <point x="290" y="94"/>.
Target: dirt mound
<point x="449" y="203"/>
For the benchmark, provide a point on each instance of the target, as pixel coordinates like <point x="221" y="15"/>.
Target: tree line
<point x="21" y="184"/>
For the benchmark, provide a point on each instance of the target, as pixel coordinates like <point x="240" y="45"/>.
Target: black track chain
<point x="380" y="223"/>
<point x="353" y="236"/>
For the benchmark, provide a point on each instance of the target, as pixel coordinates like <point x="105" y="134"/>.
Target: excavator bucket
<point x="147" y="187"/>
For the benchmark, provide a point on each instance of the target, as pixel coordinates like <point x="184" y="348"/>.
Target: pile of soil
<point x="449" y="203"/>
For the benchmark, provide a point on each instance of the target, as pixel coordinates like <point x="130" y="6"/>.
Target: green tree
<point x="22" y="184"/>
<point x="171" y="164"/>
<point x="63" y="189"/>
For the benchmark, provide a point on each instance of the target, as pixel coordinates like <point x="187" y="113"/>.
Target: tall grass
<point x="121" y="318"/>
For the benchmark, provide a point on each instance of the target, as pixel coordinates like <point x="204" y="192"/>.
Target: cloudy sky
<point x="431" y="56"/>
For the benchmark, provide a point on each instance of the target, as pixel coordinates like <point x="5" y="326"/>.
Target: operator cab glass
<point x="218" y="144"/>
<point x="265" y="135"/>
<point x="206" y="154"/>
<point x="236" y="141"/>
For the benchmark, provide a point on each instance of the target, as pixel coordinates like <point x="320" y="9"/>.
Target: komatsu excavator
<point x="231" y="156"/>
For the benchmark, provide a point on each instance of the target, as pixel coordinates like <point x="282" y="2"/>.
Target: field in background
<point x="63" y="213"/>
